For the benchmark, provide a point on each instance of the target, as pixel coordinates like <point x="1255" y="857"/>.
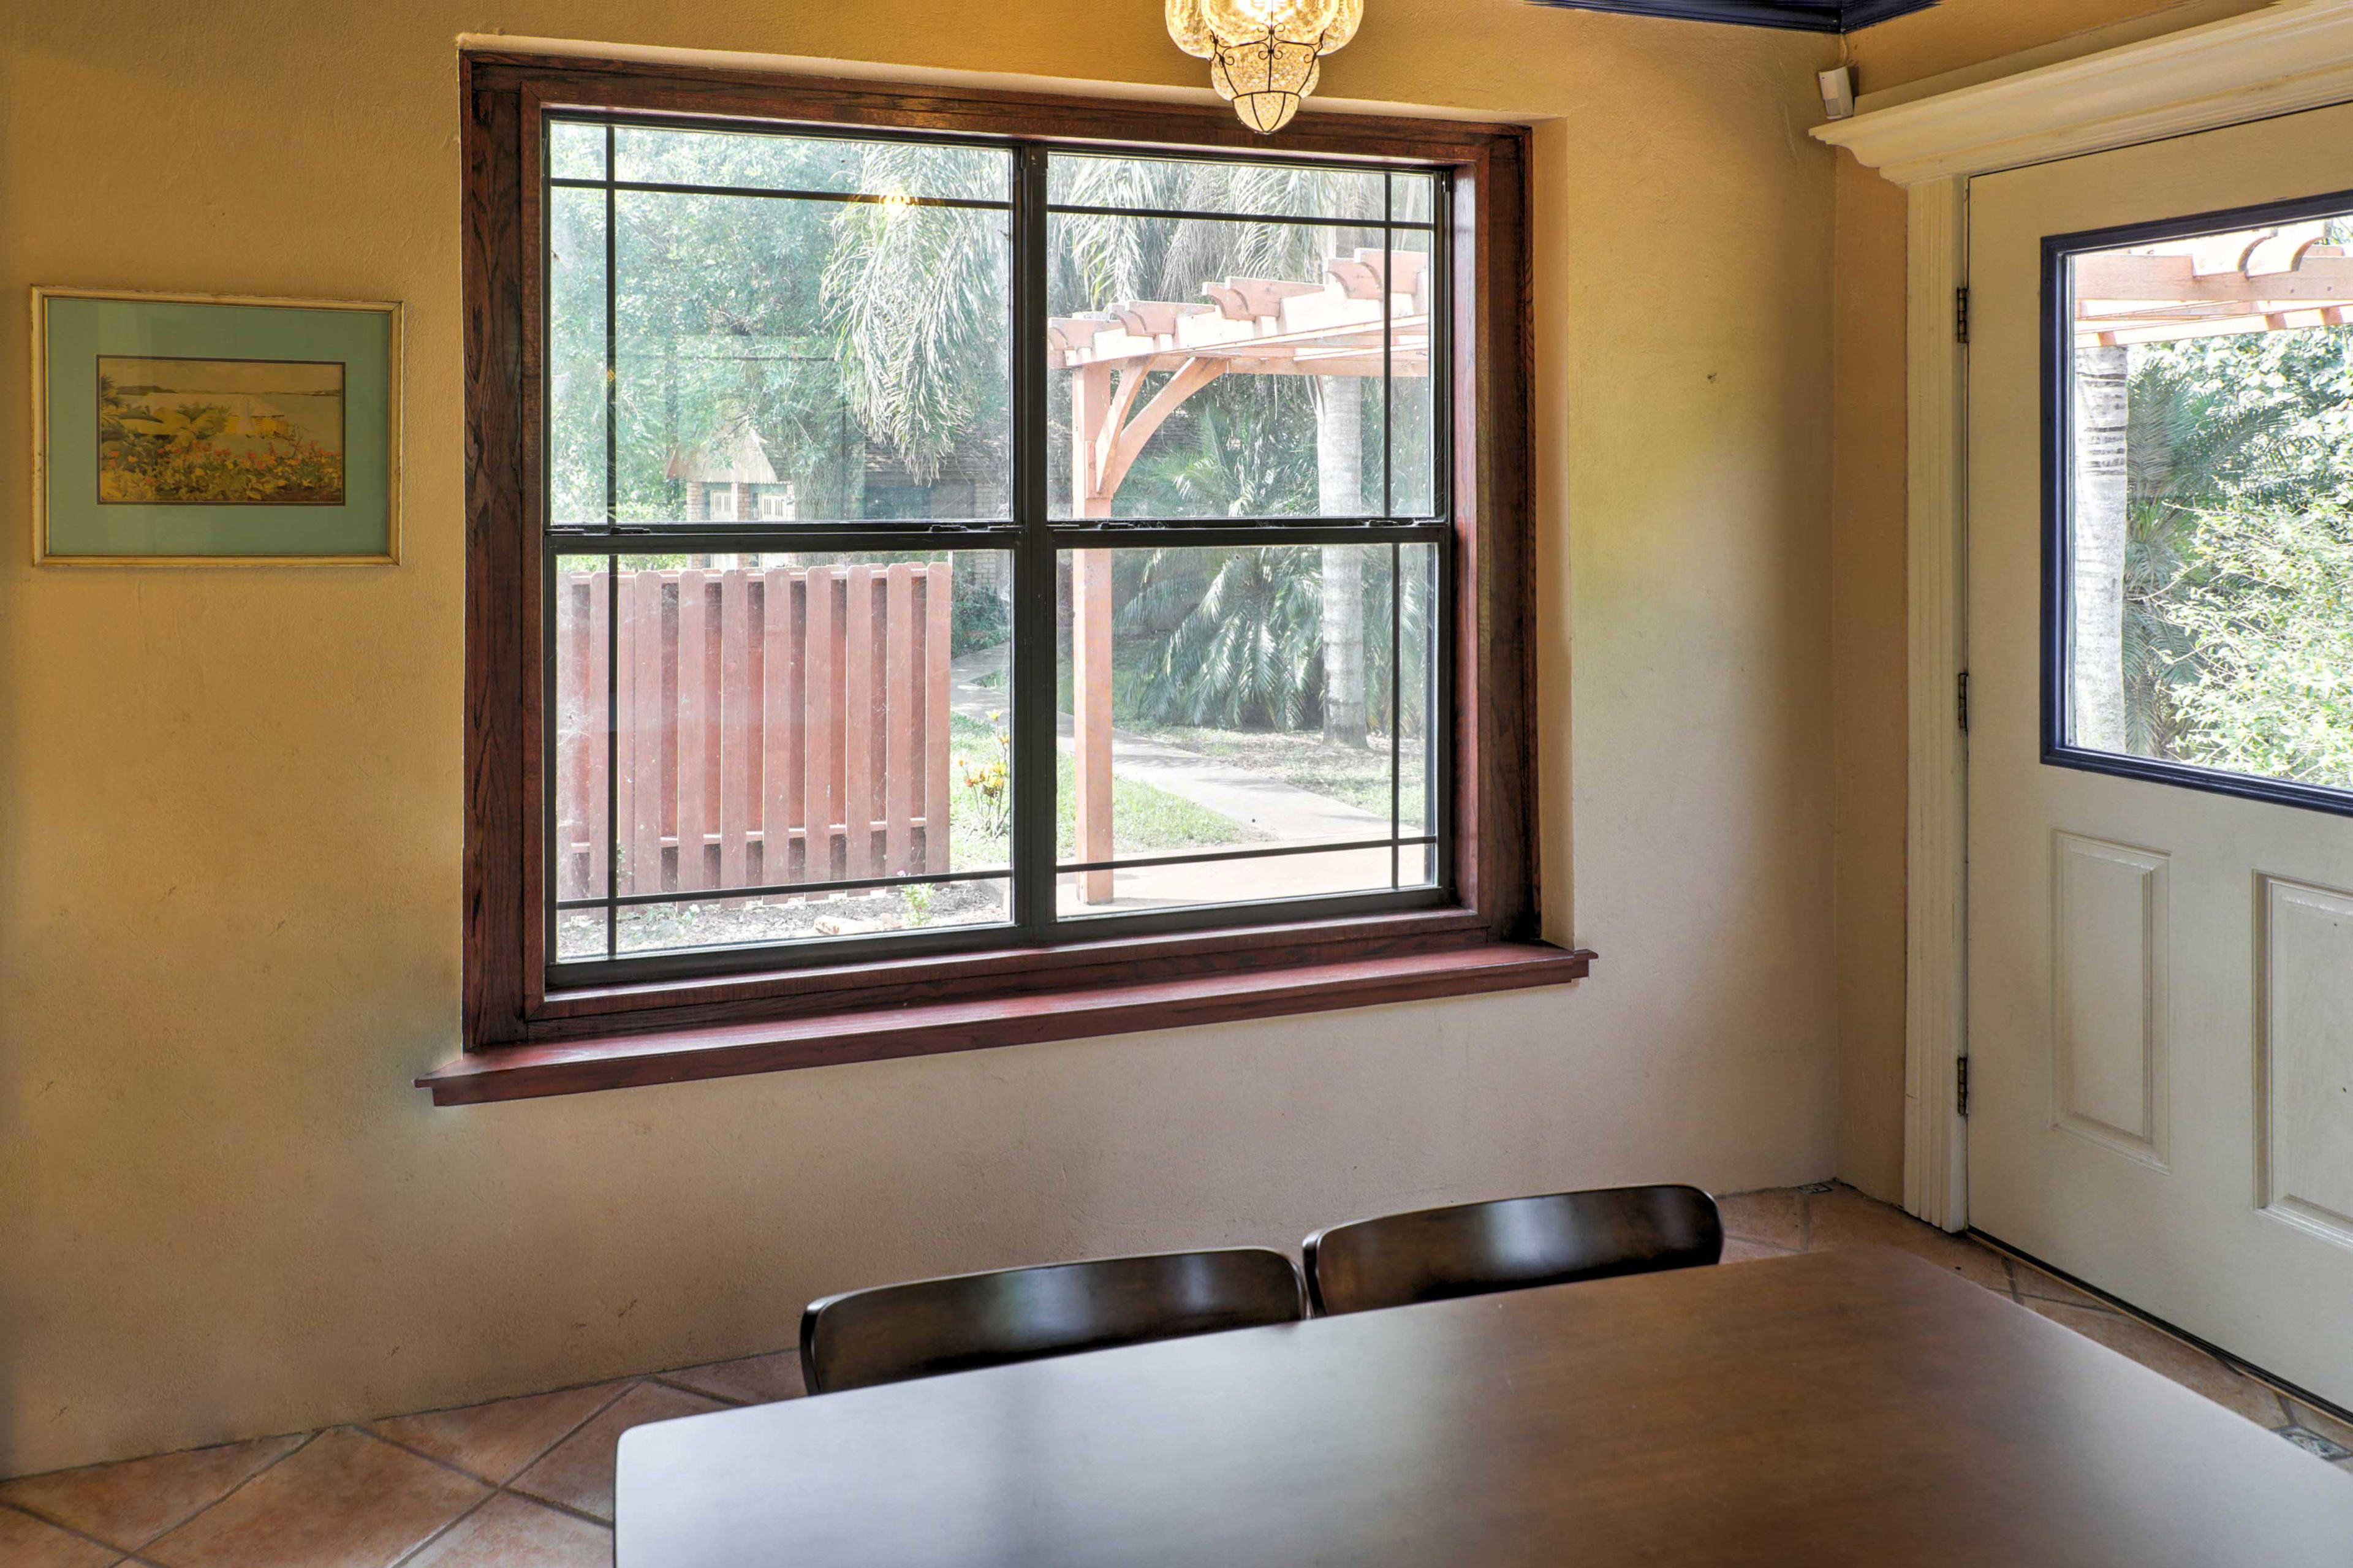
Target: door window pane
<point x="2208" y="597"/>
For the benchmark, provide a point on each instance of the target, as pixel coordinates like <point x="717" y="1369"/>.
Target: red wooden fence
<point x="774" y="727"/>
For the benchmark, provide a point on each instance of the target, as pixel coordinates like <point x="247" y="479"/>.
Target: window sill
<point x="684" y="1055"/>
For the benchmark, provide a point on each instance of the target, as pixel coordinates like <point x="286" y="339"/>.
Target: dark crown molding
<point x="1800" y="16"/>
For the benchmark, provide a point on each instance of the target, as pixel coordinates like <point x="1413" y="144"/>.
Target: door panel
<point x="2160" y="996"/>
<point x="2109" y="969"/>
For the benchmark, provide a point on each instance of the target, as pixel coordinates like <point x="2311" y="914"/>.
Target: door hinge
<point x="1961" y="1084"/>
<point x="1961" y="314"/>
<point x="1964" y="704"/>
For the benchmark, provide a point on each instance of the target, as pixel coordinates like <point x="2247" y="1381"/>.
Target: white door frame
<point x="2294" y="55"/>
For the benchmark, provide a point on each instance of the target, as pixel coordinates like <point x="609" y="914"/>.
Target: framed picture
<point x="192" y="429"/>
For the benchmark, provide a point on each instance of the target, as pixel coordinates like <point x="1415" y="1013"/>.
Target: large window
<point x="967" y="546"/>
<point x="2201" y="546"/>
<point x="866" y="564"/>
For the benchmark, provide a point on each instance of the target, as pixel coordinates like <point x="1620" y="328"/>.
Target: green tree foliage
<point x="836" y="339"/>
<point x="916" y="299"/>
<point x="2271" y="623"/>
<point x="2239" y="624"/>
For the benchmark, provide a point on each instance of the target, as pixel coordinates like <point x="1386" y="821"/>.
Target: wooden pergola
<point x="1356" y="321"/>
<point x="2249" y="281"/>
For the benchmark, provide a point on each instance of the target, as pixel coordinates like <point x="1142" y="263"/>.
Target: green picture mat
<point x="79" y="331"/>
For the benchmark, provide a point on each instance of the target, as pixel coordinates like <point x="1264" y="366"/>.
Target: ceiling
<point x="1804" y="15"/>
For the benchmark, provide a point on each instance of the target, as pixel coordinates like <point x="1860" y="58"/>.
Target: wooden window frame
<point x="523" y="1039"/>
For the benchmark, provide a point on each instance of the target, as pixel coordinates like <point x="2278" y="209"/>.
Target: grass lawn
<point x="1145" y="820"/>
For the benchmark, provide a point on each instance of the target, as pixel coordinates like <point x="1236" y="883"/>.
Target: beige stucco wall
<point x="1867" y="675"/>
<point x="229" y="801"/>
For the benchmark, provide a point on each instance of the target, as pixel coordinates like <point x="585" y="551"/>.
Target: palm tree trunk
<point x="2101" y="530"/>
<point x="1340" y="492"/>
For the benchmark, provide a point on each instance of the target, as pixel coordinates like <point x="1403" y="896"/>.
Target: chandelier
<point x="1262" y="53"/>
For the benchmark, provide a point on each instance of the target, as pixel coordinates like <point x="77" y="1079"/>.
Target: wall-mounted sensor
<point x="1838" y="92"/>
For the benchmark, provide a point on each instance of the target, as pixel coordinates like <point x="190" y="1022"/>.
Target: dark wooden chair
<point x="1468" y="1249"/>
<point x="929" y="1326"/>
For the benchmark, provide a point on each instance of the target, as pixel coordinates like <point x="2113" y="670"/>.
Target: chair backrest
<point x="1510" y="1243"/>
<point x="955" y="1324"/>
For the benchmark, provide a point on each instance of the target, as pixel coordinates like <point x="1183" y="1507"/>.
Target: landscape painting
<point x="220" y="432"/>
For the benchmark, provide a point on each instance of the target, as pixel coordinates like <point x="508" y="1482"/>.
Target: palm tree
<point x="908" y="295"/>
<point x="2099" y="527"/>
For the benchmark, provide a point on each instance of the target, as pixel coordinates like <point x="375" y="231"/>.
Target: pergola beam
<point x="2255" y="280"/>
<point x="1358" y="322"/>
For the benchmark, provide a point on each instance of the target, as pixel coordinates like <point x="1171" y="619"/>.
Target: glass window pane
<point x="810" y="361"/>
<point x="1248" y="190"/>
<point x="648" y="929"/>
<point x="575" y="151"/>
<point x="1413" y="389"/>
<point x="1215" y="368"/>
<point x="2209" y="570"/>
<point x="1415" y="663"/>
<point x="782" y="720"/>
<point x="788" y="163"/>
<point x="1413" y="198"/>
<point x="580" y="853"/>
<point x="576" y="359"/>
<point x="1228" y="700"/>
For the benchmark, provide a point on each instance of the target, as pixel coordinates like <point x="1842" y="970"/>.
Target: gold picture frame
<point x="348" y="497"/>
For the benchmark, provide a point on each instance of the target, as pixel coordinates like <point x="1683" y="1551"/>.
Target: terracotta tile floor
<point x="528" y="1482"/>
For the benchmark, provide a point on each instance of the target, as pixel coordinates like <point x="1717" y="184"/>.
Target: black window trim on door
<point x="2058" y="511"/>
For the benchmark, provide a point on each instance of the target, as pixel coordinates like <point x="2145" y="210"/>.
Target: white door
<point x="2160" y="748"/>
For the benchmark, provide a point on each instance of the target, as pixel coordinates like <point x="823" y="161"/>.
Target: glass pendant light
<point x="1262" y="53"/>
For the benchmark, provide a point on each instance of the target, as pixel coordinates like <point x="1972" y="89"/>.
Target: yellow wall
<point x="229" y="801"/>
<point x="1868" y="655"/>
<point x="1952" y="44"/>
<point x="1963" y="38"/>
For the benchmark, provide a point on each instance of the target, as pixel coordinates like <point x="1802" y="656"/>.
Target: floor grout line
<point x="621" y="1393"/>
<point x="727" y="1399"/>
<point x="197" y="1513"/>
<point x="475" y="1507"/>
<point x="128" y="1551"/>
<point x="548" y="1502"/>
<point x="59" y="1525"/>
<point x="435" y="1460"/>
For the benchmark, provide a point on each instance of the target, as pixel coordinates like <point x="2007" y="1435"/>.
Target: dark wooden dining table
<point x="1846" y="1407"/>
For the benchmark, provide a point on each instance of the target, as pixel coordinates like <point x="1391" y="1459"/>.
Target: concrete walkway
<point x="1285" y="813"/>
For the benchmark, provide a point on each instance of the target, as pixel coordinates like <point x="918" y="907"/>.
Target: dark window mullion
<point x="814" y="541"/>
<point x="1034" y="680"/>
<point x="612" y="565"/>
<point x="1441" y="351"/>
<point x="1396" y="686"/>
<point x="1202" y="215"/>
<point x="768" y="193"/>
<point x="1227" y="538"/>
<point x="1211" y="857"/>
<point x="789" y="889"/>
